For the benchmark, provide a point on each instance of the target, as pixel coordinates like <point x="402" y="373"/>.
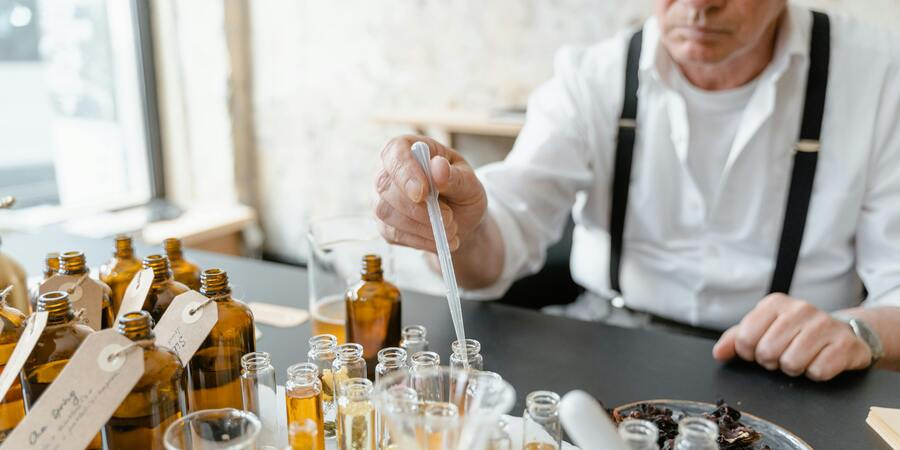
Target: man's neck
<point x="737" y="70"/>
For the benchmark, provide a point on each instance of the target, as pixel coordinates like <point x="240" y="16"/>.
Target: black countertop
<point x="534" y="351"/>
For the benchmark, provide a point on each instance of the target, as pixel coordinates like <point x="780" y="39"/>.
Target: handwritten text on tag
<point x="36" y="324"/>
<point x="186" y="323"/>
<point x="137" y="291"/>
<point x="87" y="295"/>
<point x="84" y="396"/>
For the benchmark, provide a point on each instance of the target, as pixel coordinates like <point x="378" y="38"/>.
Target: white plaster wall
<point x="323" y="68"/>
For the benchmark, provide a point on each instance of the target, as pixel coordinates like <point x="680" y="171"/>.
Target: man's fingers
<point x="395" y="198"/>
<point x="399" y="237"/>
<point x="398" y="161"/>
<point x="390" y="216"/>
<point x="831" y="361"/>
<point x="802" y="350"/>
<point x="753" y="327"/>
<point x="724" y="348"/>
<point x="777" y="339"/>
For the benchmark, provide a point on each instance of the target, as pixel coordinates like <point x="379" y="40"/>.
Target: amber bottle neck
<point x="214" y="283"/>
<point x="72" y="263"/>
<point x="173" y="249"/>
<point x="371" y="268"/>
<point x="51" y="265"/>
<point x="136" y="326"/>
<point x="162" y="271"/>
<point x="124" y="249"/>
<point x="57" y="306"/>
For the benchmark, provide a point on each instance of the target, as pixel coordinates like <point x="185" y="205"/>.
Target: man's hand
<point x="402" y="187"/>
<point x="785" y="333"/>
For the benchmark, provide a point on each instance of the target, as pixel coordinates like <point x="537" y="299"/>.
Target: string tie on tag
<point x="81" y="316"/>
<point x="71" y="290"/>
<point x="143" y="344"/>
<point x="194" y="310"/>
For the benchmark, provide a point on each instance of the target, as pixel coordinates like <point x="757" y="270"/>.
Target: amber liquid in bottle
<point x="184" y="271"/>
<point x="51" y="266"/>
<point x="73" y="263"/>
<point x="373" y="312"/>
<point x="118" y="271"/>
<point x="56" y="345"/>
<point x="12" y="407"/>
<point x="156" y="400"/>
<point x="214" y="372"/>
<point x="164" y="288"/>
<point x="304" y="402"/>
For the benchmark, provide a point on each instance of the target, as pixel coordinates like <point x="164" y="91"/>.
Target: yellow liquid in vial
<point x="328" y="317"/>
<point x="538" y="446"/>
<point x="357" y="426"/>
<point x="438" y="432"/>
<point x="303" y="405"/>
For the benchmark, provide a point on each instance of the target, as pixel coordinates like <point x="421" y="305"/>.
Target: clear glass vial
<point x="305" y="408"/>
<point x="639" y="434"/>
<point x="425" y="376"/>
<point x="258" y="390"/>
<point x="473" y="355"/>
<point x="356" y="415"/>
<point x="541" y="427"/>
<point x="697" y="433"/>
<point x="322" y="353"/>
<point x="414" y="339"/>
<point x="390" y="360"/>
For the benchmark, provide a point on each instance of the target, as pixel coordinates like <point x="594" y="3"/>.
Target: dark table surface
<point x="534" y="351"/>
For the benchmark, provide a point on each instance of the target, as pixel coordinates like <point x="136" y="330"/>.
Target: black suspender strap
<point x="805" y="158"/>
<point x="624" y="154"/>
<point x="806" y="154"/>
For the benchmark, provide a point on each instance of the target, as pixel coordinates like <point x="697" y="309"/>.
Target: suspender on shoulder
<point x="805" y="157"/>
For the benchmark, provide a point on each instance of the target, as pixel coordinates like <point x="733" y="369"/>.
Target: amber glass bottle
<point x="164" y="288"/>
<point x="51" y="266"/>
<point x="73" y="263"/>
<point x="118" y="271"/>
<point x="157" y="399"/>
<point x="56" y="345"/>
<point x="12" y="408"/>
<point x="373" y="312"/>
<point x="184" y="271"/>
<point x="214" y="372"/>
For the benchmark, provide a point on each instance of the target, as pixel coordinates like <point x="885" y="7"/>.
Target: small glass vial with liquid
<point x="56" y="345"/>
<point x="164" y="288"/>
<point x="373" y="312"/>
<point x="348" y="364"/>
<point x="258" y="390"/>
<point x="156" y="401"/>
<point x="305" y="406"/>
<point x="697" y="433"/>
<point x="425" y="376"/>
<point x="541" y="427"/>
<point x="51" y="267"/>
<point x="214" y="372"/>
<point x="118" y="271"/>
<point x="73" y="263"/>
<point x="639" y="434"/>
<point x="356" y="415"/>
<point x="12" y="407"/>
<point x="322" y="353"/>
<point x="414" y="339"/>
<point x="184" y="271"/>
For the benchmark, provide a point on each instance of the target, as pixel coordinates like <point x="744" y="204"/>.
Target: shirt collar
<point x="791" y="43"/>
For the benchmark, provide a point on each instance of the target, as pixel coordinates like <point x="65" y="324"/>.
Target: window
<point x="77" y="113"/>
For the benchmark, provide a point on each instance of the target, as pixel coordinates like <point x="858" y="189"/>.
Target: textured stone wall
<point x="323" y="68"/>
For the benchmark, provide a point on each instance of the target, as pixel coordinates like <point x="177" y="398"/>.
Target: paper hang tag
<point x="186" y="323"/>
<point x="83" y="397"/>
<point x="277" y="315"/>
<point x="87" y="295"/>
<point x="33" y="329"/>
<point x="136" y="293"/>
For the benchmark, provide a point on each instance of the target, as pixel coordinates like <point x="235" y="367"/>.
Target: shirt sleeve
<point x="878" y="232"/>
<point x="531" y="193"/>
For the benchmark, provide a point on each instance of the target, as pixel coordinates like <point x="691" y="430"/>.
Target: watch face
<point x="869" y="336"/>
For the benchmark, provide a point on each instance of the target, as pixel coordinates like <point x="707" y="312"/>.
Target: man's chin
<point x="698" y="53"/>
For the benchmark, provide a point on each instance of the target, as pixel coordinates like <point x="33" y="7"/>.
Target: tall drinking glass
<point x="214" y="429"/>
<point x="336" y="246"/>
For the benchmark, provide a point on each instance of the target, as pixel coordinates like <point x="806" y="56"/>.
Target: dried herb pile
<point x="733" y="435"/>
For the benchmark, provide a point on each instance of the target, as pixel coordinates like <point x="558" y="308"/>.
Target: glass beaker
<point x="433" y="422"/>
<point x="214" y="429"/>
<point x="336" y="245"/>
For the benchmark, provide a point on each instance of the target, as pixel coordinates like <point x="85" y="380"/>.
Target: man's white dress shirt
<point x="705" y="210"/>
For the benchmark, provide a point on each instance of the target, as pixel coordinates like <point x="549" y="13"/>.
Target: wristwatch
<point x="863" y="331"/>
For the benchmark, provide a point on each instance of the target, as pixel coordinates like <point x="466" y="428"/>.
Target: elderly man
<point x="735" y="166"/>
